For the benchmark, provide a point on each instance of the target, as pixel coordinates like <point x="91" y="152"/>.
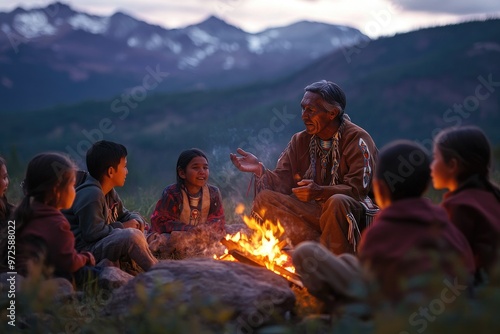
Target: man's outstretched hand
<point x="246" y="162"/>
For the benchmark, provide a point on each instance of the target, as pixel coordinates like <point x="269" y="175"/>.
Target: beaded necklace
<point x="194" y="203"/>
<point x="324" y="148"/>
<point x="317" y="147"/>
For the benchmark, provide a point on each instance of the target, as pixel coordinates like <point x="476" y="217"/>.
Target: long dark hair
<point x="46" y="175"/>
<point x="184" y="159"/>
<point x="5" y="206"/>
<point x="472" y="151"/>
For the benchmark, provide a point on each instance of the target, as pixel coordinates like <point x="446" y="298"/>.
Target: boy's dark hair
<point x="405" y="167"/>
<point x="185" y="158"/>
<point x="102" y="155"/>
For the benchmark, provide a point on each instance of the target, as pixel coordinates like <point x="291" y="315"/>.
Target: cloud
<point x="457" y="7"/>
<point x="257" y="15"/>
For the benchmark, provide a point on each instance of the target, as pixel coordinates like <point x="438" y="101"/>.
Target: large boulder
<point x="255" y="295"/>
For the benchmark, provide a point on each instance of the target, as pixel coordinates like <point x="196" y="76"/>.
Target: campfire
<point x="262" y="247"/>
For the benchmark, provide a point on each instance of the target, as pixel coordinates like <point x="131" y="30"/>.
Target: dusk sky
<point x="372" y="17"/>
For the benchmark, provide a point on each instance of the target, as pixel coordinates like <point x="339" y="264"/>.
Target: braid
<point x="311" y="171"/>
<point x="335" y="154"/>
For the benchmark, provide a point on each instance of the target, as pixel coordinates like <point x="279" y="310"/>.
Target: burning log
<point x="263" y="247"/>
<point x="235" y="250"/>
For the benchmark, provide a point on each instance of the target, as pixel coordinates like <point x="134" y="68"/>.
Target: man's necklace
<point x="325" y="150"/>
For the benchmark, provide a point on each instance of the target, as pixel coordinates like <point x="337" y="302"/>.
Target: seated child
<point x="6" y="208"/>
<point x="99" y="221"/>
<point x="409" y="237"/>
<point x="191" y="202"/>
<point x="462" y="161"/>
<point x="42" y="232"/>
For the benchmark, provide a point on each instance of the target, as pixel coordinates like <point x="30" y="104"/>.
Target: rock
<point x="254" y="294"/>
<point x="201" y="242"/>
<point x="63" y="288"/>
<point x="112" y="278"/>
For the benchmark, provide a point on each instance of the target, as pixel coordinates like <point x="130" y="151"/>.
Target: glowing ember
<point x="264" y="243"/>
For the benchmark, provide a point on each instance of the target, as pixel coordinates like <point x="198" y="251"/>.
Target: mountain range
<point x="409" y="86"/>
<point x="58" y="55"/>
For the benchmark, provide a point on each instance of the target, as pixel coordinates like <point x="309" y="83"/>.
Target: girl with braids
<point x="190" y="202"/>
<point x="187" y="209"/>
<point x="461" y="164"/>
<point x="42" y="231"/>
<point x="5" y="207"/>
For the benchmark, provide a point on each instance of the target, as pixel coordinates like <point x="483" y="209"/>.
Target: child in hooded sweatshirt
<point x="99" y="220"/>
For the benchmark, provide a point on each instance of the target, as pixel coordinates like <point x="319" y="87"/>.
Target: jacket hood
<point x="89" y="181"/>
<point x="414" y="211"/>
<point x="44" y="210"/>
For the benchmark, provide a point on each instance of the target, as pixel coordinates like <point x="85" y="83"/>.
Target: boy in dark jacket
<point x="99" y="221"/>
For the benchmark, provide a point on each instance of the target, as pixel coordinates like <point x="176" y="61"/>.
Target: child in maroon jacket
<point x="410" y="245"/>
<point x="42" y="232"/>
<point x="6" y="208"/>
<point x="461" y="164"/>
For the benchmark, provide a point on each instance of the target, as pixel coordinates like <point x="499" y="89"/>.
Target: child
<point x="42" y="231"/>
<point x="462" y="160"/>
<point x="410" y="237"/>
<point x="99" y="221"/>
<point x="190" y="202"/>
<point x="5" y="207"/>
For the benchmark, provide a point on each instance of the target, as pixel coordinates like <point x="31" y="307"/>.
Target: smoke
<point x="265" y="142"/>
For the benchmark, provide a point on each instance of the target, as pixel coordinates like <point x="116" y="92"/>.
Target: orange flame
<point x="262" y="243"/>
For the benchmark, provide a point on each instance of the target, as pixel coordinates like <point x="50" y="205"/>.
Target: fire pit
<point x="264" y="247"/>
<point x="235" y="251"/>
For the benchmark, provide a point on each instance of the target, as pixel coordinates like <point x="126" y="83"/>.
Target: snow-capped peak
<point x="92" y="24"/>
<point x="33" y="24"/>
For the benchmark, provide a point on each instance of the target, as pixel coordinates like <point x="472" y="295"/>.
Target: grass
<point x="38" y="311"/>
<point x="161" y="310"/>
